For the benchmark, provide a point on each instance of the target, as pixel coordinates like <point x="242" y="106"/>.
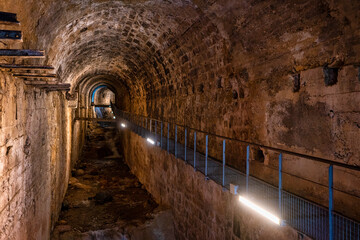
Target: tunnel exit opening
<point x="102" y="98"/>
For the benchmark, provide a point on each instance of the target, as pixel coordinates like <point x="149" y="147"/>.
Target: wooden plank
<point x="22" y="53"/>
<point x="52" y="87"/>
<point x="53" y="90"/>
<point x="30" y="76"/>
<point x="10" y="24"/>
<point x="57" y="86"/>
<point x="97" y="119"/>
<point x="36" y="77"/>
<point x="8" y="17"/>
<point x="22" y="74"/>
<point x="26" y="67"/>
<point x="40" y="82"/>
<point x="9" y="34"/>
<point x="104" y="106"/>
<point x="39" y="77"/>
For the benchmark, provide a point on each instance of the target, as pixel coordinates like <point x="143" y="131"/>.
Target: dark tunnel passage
<point x="179" y="119"/>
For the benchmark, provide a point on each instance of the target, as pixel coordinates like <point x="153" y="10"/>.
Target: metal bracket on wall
<point x="22" y="53"/>
<point x="10" y="34"/>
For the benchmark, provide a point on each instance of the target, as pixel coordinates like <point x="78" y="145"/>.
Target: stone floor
<point x="105" y="201"/>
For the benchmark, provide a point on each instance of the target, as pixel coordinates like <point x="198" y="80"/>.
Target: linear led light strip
<point x="150" y="141"/>
<point x="248" y="203"/>
<point x="260" y="210"/>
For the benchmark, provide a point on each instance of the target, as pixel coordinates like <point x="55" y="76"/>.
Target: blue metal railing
<point x="312" y="219"/>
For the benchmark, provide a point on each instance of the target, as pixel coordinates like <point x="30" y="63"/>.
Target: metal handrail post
<point x="331" y="196"/>
<point x="161" y="133"/>
<point x="195" y="150"/>
<point x="155" y="132"/>
<point x="175" y="141"/>
<point x="247" y="167"/>
<point x="206" y="154"/>
<point x="280" y="182"/>
<point x="223" y="170"/>
<point x="185" y="144"/>
<point x="168" y="136"/>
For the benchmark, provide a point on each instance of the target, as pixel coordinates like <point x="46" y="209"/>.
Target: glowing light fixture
<point x="114" y="117"/>
<point x="123" y="125"/>
<point x="150" y="141"/>
<point x="260" y="210"/>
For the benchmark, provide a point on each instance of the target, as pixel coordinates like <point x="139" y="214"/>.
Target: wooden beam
<point x="53" y="90"/>
<point x="10" y="24"/>
<point x="22" y="53"/>
<point x="39" y="77"/>
<point x="52" y="86"/>
<point x="40" y="82"/>
<point x="24" y="74"/>
<point x="34" y="75"/>
<point x="97" y="119"/>
<point x="26" y="67"/>
<point x="8" y="17"/>
<point x="105" y="106"/>
<point x="10" y="34"/>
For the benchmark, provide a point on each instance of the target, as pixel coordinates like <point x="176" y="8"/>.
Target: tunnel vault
<point x="85" y="87"/>
<point x="279" y="74"/>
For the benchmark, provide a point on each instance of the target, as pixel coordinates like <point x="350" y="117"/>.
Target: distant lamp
<point x="150" y="141"/>
<point x="123" y="125"/>
<point x="260" y="210"/>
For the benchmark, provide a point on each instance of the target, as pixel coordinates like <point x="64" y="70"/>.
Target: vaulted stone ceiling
<point x="159" y="49"/>
<point x="126" y="39"/>
<point x="145" y="42"/>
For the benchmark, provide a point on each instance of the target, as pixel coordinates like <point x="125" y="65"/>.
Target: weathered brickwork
<point x="236" y="80"/>
<point x="33" y="170"/>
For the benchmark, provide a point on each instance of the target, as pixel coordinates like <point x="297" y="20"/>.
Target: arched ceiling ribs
<point x="117" y="37"/>
<point x="114" y="36"/>
<point x="86" y="81"/>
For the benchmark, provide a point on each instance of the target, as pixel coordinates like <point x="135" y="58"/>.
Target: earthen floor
<point x="103" y="195"/>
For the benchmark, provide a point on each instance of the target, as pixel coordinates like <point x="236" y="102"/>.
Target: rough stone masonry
<point x="284" y="74"/>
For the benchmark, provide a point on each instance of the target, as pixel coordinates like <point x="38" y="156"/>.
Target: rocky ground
<point x="105" y="201"/>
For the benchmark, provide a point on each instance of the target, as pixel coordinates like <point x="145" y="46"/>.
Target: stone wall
<point x="232" y="74"/>
<point x="33" y="169"/>
<point x="235" y="77"/>
<point x="201" y="208"/>
<point x="224" y="66"/>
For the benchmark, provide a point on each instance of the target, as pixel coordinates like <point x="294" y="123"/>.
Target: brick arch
<point x="122" y="38"/>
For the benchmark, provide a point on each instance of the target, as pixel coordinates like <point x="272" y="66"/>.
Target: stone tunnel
<point x="179" y="119"/>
